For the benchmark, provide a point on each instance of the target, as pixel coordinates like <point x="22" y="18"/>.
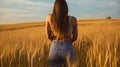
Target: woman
<point x="62" y="31"/>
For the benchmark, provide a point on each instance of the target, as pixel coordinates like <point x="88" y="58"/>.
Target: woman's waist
<point x="62" y="38"/>
<point x="65" y="40"/>
<point x="62" y="41"/>
<point x="59" y="43"/>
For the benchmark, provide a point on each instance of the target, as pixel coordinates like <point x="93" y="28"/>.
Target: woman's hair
<point x="59" y="18"/>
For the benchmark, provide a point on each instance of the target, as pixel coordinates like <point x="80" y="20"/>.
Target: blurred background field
<point x="26" y="45"/>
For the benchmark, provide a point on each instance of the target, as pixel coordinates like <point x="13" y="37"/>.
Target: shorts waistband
<point x="59" y="41"/>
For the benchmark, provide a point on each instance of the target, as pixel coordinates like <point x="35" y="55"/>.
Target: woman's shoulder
<point x="73" y="20"/>
<point x="48" y="17"/>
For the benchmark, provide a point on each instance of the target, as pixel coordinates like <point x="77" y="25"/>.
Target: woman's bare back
<point x="73" y="23"/>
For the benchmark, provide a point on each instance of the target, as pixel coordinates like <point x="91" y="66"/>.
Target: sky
<point x="18" y="11"/>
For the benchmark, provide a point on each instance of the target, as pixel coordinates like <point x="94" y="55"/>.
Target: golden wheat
<point x="98" y="45"/>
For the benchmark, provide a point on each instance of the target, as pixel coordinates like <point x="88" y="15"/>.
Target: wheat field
<point x="26" y="45"/>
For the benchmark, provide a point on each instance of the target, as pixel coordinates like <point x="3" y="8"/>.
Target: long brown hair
<point x="59" y="18"/>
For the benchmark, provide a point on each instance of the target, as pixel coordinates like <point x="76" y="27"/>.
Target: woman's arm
<point x="75" y="30"/>
<point x="48" y="29"/>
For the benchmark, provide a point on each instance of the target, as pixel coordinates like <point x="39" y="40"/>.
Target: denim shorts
<point x="58" y="52"/>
